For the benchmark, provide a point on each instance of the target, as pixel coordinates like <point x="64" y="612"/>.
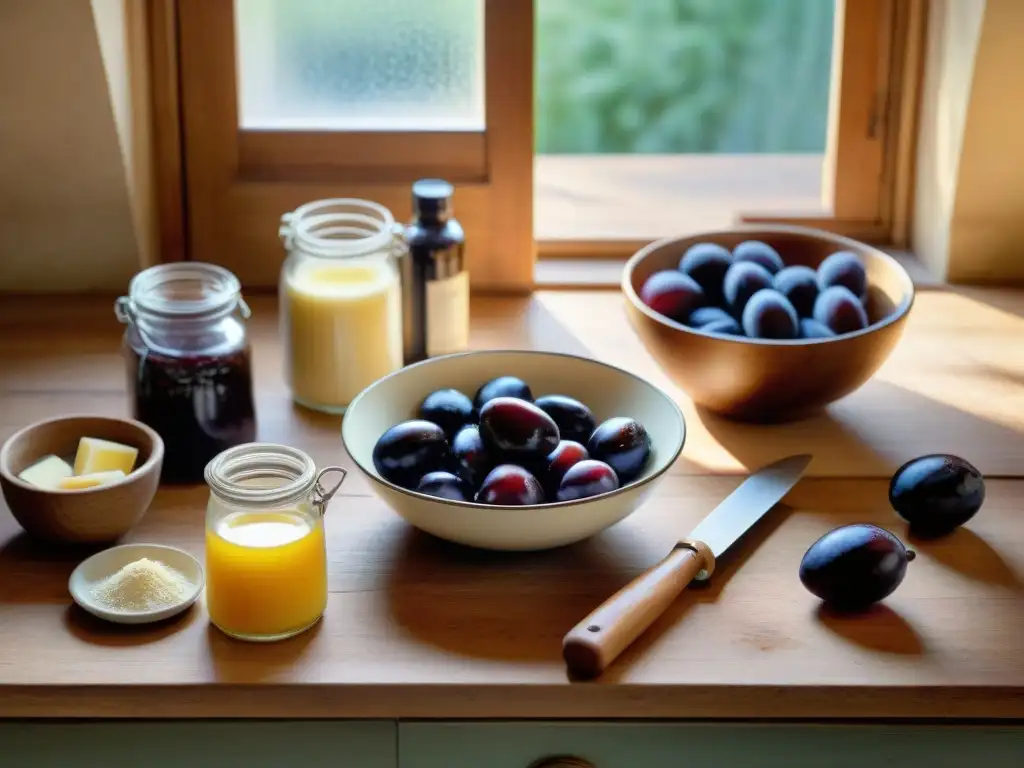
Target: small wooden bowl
<point x="93" y="515"/>
<point x="765" y="380"/>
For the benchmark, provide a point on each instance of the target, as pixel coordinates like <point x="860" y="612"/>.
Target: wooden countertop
<point x="419" y="628"/>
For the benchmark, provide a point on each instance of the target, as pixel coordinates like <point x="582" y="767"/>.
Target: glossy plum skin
<point x="510" y="485"/>
<point x="799" y="284"/>
<point x="937" y="493"/>
<point x="707" y="264"/>
<point x="585" y="479"/>
<point x="704" y="315"/>
<point x="408" y="451"/>
<point x="517" y="430"/>
<point x="471" y="459"/>
<point x="503" y="386"/>
<point x="445" y="485"/>
<point x="726" y="327"/>
<point x="769" y="315"/>
<point x="846" y="269"/>
<point x="558" y="462"/>
<point x="759" y="253"/>
<point x="853" y="566"/>
<point x="573" y="418"/>
<point x="671" y="293"/>
<point x="812" y="329"/>
<point x="742" y="281"/>
<point x="623" y="444"/>
<point x="450" y="409"/>
<point x="840" y="311"/>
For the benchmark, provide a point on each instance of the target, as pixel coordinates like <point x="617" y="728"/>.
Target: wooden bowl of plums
<point x="767" y="323"/>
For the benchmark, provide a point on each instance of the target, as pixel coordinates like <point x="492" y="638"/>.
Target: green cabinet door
<point x="198" y="744"/>
<point x="641" y="745"/>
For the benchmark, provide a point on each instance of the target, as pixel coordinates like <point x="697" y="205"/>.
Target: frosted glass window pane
<point x="361" y="65"/>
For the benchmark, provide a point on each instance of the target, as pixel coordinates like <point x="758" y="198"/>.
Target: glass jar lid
<point x="339" y="227"/>
<point x="268" y="474"/>
<point x="182" y="290"/>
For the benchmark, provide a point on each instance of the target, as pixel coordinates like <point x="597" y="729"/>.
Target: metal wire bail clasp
<point x="321" y="497"/>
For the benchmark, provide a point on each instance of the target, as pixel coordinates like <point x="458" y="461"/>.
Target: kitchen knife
<point x="595" y="642"/>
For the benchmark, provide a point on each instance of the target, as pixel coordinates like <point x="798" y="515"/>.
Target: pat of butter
<point x="95" y="455"/>
<point x="78" y="482"/>
<point x="47" y="472"/>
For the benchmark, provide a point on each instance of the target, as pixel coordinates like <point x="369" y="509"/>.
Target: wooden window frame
<point x="221" y="190"/>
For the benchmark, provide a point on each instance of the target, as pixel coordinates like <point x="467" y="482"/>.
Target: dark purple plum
<point x="445" y="485"/>
<point x="587" y="478"/>
<point x="573" y="418"/>
<point x="409" y="450"/>
<point x="707" y="264"/>
<point x="517" y="430"/>
<point x="623" y="444"/>
<point x="553" y="468"/>
<point x="812" y="329"/>
<point x="759" y="253"/>
<point x="799" y="284"/>
<point x="704" y="315"/>
<point x="743" y="280"/>
<point x="937" y="493"/>
<point x="839" y="310"/>
<point x="510" y="485"/>
<point x="846" y="269"/>
<point x="450" y="409"/>
<point x="503" y="386"/>
<point x="726" y="326"/>
<point x="672" y="294"/>
<point x="769" y="315"/>
<point x="854" y="566"/>
<point x="471" y="459"/>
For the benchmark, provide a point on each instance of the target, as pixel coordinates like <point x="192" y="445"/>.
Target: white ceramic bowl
<point x="110" y="561"/>
<point x="607" y="390"/>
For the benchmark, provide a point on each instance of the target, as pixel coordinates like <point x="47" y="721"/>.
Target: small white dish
<point x="108" y="562"/>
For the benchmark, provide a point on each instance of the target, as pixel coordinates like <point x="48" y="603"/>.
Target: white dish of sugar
<point x="137" y="583"/>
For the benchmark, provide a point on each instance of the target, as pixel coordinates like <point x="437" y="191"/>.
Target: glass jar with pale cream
<point x="340" y="300"/>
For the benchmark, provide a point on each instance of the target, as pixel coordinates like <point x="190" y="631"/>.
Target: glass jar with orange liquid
<point x="266" y="555"/>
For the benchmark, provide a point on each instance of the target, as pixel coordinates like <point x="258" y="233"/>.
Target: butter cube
<point x="95" y="455"/>
<point x="78" y="482"/>
<point x="47" y="472"/>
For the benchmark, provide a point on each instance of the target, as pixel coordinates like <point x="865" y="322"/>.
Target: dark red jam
<point x="199" y="403"/>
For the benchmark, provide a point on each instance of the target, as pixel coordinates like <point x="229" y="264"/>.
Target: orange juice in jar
<point x="266" y="556"/>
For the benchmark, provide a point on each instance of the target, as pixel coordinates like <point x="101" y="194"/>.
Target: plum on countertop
<point x="573" y="418"/>
<point x="623" y="444"/>
<point x="853" y="566"/>
<point x="510" y="485"/>
<point x="759" y="253"/>
<point x="516" y="429"/>
<point x="769" y="315"/>
<point x="672" y="294"/>
<point x="409" y="450"/>
<point x="799" y="284"/>
<point x="450" y="409"/>
<point x="937" y="493"/>
<point x="503" y="386"/>
<point x="707" y="264"/>
<point x="743" y="280"/>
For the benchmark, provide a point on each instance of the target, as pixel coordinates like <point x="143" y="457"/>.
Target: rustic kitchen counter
<point x="416" y="628"/>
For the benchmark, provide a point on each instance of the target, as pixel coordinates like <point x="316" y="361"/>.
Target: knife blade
<point x="593" y="644"/>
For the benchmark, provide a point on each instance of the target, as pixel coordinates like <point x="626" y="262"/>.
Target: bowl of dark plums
<point x="767" y="323"/>
<point x="513" y="450"/>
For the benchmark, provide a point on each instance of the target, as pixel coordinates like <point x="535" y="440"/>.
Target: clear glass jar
<point x="266" y="554"/>
<point x="340" y="300"/>
<point x="189" y="363"/>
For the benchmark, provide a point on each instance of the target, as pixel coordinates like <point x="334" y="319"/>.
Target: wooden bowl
<point x="766" y="380"/>
<point x="90" y="516"/>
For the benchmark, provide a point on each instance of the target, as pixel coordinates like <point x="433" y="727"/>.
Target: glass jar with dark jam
<point x="189" y="363"/>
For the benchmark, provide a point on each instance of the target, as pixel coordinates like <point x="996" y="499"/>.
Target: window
<point x="648" y="117"/>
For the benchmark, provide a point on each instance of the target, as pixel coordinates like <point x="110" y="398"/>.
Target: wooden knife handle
<point x="593" y="644"/>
